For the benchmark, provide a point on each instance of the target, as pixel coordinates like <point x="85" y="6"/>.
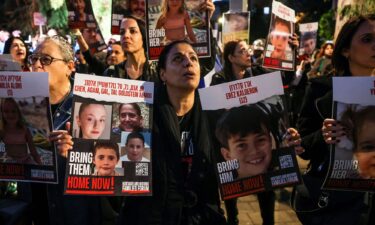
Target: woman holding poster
<point x="353" y="55"/>
<point x="55" y="56"/>
<point x="185" y="186"/>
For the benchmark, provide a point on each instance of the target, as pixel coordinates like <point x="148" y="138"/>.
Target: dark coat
<point x="169" y="204"/>
<point x="149" y="72"/>
<point x="316" y="106"/>
<point x="177" y="199"/>
<point x="50" y="205"/>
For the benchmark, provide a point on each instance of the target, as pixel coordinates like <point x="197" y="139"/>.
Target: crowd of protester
<point x="178" y="198"/>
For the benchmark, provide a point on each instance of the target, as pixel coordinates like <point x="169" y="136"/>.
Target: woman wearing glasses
<point x="55" y="56"/>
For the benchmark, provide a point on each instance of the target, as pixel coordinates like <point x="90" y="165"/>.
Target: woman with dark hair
<point x="133" y="41"/>
<point x="323" y="62"/>
<point x="185" y="188"/>
<point x="353" y="56"/>
<point x="17" y="48"/>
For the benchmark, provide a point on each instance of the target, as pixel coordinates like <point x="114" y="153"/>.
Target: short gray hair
<point x="64" y="47"/>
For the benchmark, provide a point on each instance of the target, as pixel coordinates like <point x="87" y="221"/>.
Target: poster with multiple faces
<point x="250" y="123"/>
<point x="81" y="16"/>
<point x="111" y="129"/>
<point x="25" y="124"/>
<point x="278" y="53"/>
<point x="309" y="32"/>
<point x="353" y="157"/>
<point x="236" y="26"/>
<point x="177" y="20"/>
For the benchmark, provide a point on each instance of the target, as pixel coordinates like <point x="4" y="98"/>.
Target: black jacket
<point x="168" y="204"/>
<point x="149" y="72"/>
<point x="316" y="106"/>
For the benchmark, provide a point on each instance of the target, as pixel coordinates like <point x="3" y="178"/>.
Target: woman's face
<point x="182" y="70"/>
<point x="92" y="121"/>
<point x="18" y="51"/>
<point x="105" y="161"/>
<point x="10" y="112"/>
<point x="129" y="118"/>
<point x="58" y="71"/>
<point x="365" y="150"/>
<point x="131" y="36"/>
<point x="80" y="5"/>
<point x="241" y="55"/>
<point x="361" y="53"/>
<point x="328" y="51"/>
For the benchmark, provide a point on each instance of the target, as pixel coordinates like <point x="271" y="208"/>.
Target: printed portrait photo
<point x="92" y="120"/>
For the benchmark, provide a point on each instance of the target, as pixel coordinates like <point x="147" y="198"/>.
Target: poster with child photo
<point x="236" y="26"/>
<point x="171" y="20"/>
<point x="278" y="53"/>
<point x="251" y="130"/>
<point x="352" y="165"/>
<point x="111" y="130"/>
<point x="26" y="154"/>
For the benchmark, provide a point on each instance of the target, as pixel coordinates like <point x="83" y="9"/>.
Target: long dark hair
<point x="343" y="41"/>
<point x="142" y="28"/>
<point x="162" y="63"/>
<point x="8" y="45"/>
<point x="229" y="49"/>
<point x="323" y="49"/>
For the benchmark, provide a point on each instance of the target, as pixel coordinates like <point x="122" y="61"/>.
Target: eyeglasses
<point x="44" y="59"/>
<point x="245" y="51"/>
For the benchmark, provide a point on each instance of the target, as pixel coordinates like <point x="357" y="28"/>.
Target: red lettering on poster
<point x="78" y="183"/>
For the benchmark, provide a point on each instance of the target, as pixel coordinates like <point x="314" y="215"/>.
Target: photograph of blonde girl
<point x="16" y="136"/>
<point x="175" y="20"/>
<point x="92" y="121"/>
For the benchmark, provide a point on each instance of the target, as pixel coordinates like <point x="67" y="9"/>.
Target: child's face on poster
<point x="365" y="150"/>
<point x="253" y="151"/>
<point x="175" y="3"/>
<point x="237" y="23"/>
<point x="10" y="112"/>
<point x="105" y="161"/>
<point x="135" y="148"/>
<point x="280" y="36"/>
<point x="92" y="121"/>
